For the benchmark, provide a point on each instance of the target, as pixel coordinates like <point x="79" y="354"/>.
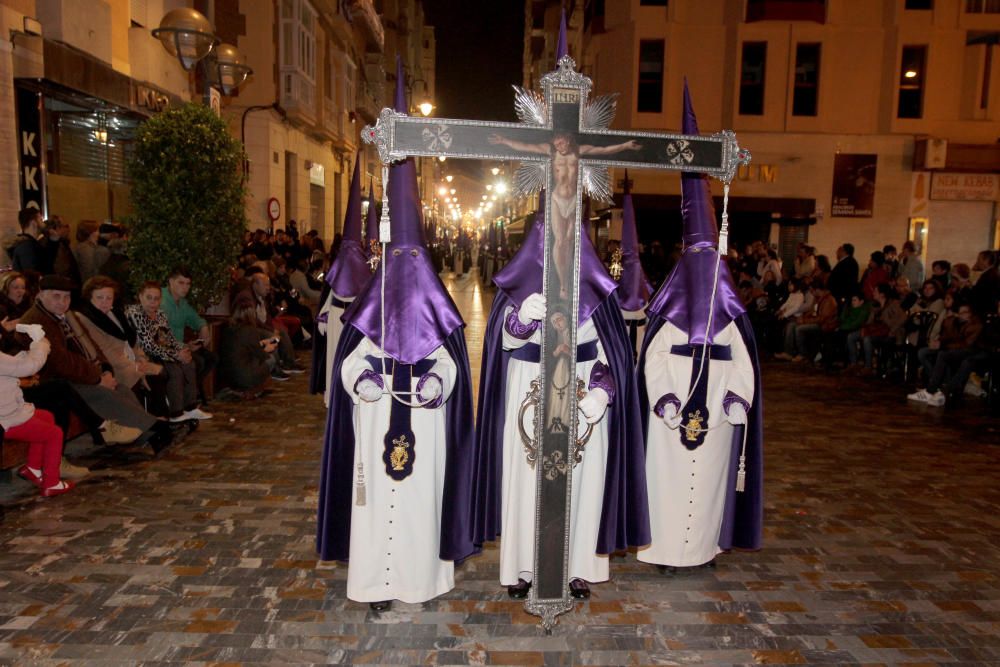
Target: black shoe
<point x="579" y="589"/>
<point x="668" y="570"/>
<point x="519" y="591"/>
<point x="293" y="368"/>
<point x="383" y="605"/>
<point x="279" y="375"/>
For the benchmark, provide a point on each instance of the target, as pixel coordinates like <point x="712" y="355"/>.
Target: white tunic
<point x="687" y="488"/>
<point x="395" y="535"/>
<point x="517" y="542"/>
<point x="334" y="327"/>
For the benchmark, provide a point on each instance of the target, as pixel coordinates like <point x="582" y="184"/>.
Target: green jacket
<point x="852" y="319"/>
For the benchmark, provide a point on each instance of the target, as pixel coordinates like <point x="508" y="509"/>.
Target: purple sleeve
<point x="731" y="398"/>
<point x="513" y="326"/>
<point x="436" y="403"/>
<point x="369" y="374"/>
<point x="322" y="317"/>
<point x="661" y="405"/>
<point x="600" y="377"/>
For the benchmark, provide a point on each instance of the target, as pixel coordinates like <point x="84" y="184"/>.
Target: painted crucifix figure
<point x="554" y="298"/>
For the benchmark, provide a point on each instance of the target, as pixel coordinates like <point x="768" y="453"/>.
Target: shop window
<point x="653" y="3"/>
<point x="919" y="4"/>
<point x="752" y="78"/>
<point x="650" y="76"/>
<point x="911" y="82"/>
<point x="982" y="6"/>
<point x="786" y="10"/>
<point x="805" y="96"/>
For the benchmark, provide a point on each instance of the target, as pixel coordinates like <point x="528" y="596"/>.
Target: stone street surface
<point x="882" y="524"/>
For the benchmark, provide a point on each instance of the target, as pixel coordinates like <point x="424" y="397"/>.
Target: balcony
<point x="333" y="121"/>
<point x="369" y="102"/>
<point x="363" y="11"/>
<point x="298" y="96"/>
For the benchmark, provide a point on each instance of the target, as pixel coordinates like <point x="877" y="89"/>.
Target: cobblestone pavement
<point x="882" y="525"/>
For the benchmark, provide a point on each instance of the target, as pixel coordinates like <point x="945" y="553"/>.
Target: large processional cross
<point x="564" y="145"/>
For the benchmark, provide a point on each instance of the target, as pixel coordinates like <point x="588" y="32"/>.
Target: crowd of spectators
<point x="891" y="320"/>
<point x="80" y="351"/>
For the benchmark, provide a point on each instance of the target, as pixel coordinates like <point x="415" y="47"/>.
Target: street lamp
<point x="187" y="35"/>
<point x="226" y="68"/>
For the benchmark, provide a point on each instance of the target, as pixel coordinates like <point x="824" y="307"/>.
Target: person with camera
<point x="249" y="358"/>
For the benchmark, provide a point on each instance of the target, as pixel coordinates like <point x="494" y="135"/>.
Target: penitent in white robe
<point x="517" y="542"/>
<point x="334" y="327"/>
<point x="395" y="535"/>
<point x="687" y="488"/>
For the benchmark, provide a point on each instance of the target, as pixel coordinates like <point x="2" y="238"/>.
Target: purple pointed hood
<point x="371" y="223"/>
<point x="684" y="298"/>
<point x="522" y="275"/>
<point x="634" y="289"/>
<point x="561" y="48"/>
<point x="419" y="312"/>
<point x="349" y="272"/>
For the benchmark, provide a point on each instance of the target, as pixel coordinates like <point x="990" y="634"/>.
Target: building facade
<point x="78" y="76"/>
<point x="869" y="122"/>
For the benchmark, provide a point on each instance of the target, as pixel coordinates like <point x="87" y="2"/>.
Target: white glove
<point x="737" y="414"/>
<point x="369" y="391"/>
<point x="671" y="417"/>
<point x="593" y="405"/>
<point x="532" y="308"/>
<point x="431" y="390"/>
<point x="321" y="326"/>
<point x="34" y="331"/>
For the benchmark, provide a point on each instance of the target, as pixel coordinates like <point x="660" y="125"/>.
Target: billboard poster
<point x="853" y="185"/>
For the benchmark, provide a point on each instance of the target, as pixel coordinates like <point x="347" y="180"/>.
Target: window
<point x="650" y="76"/>
<point x="805" y="96"/>
<point x="752" y="78"/>
<point x="919" y="4"/>
<point x="982" y="6"/>
<point x="786" y="10"/>
<point x="911" y="82"/>
<point x="653" y="3"/>
<point x="298" y="54"/>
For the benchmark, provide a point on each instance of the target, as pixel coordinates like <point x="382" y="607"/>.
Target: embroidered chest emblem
<point x="694" y="426"/>
<point x="400" y="456"/>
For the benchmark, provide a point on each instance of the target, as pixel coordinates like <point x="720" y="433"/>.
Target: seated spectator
<point x="284" y="295"/>
<point x="14" y="302"/>
<point x="813" y="326"/>
<point x="961" y="281"/>
<point x="90" y="256"/>
<point x="77" y="359"/>
<point x="957" y="343"/>
<point x="258" y="292"/>
<point x="984" y="359"/>
<point x="931" y="298"/>
<point x="875" y="275"/>
<point x="904" y="292"/>
<point x="309" y="290"/>
<point x="823" y="271"/>
<point x="886" y="324"/>
<point x="248" y="357"/>
<point x="21" y="421"/>
<point x="157" y="341"/>
<point x="111" y="332"/>
<point x="795" y="303"/>
<point x="890" y="261"/>
<point x="941" y="272"/>
<point x="182" y="317"/>
<point x="805" y="261"/>
<point x="853" y="318"/>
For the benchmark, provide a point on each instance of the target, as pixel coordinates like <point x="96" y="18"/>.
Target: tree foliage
<point x="187" y="201"/>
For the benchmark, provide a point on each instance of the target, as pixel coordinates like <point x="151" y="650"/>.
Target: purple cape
<point x="336" y="485"/>
<point x="522" y="275"/>
<point x="743" y="516"/>
<point x="625" y="516"/>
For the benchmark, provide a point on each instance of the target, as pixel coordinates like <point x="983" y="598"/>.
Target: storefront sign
<point x="30" y="150"/>
<point x="965" y="187"/>
<point x="148" y="98"/>
<point x="758" y="173"/>
<point x="853" y="185"/>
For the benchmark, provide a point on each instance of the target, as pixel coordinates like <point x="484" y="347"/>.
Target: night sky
<point x="479" y="50"/>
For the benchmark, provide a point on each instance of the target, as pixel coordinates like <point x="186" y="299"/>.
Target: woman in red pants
<point x="21" y="421"/>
